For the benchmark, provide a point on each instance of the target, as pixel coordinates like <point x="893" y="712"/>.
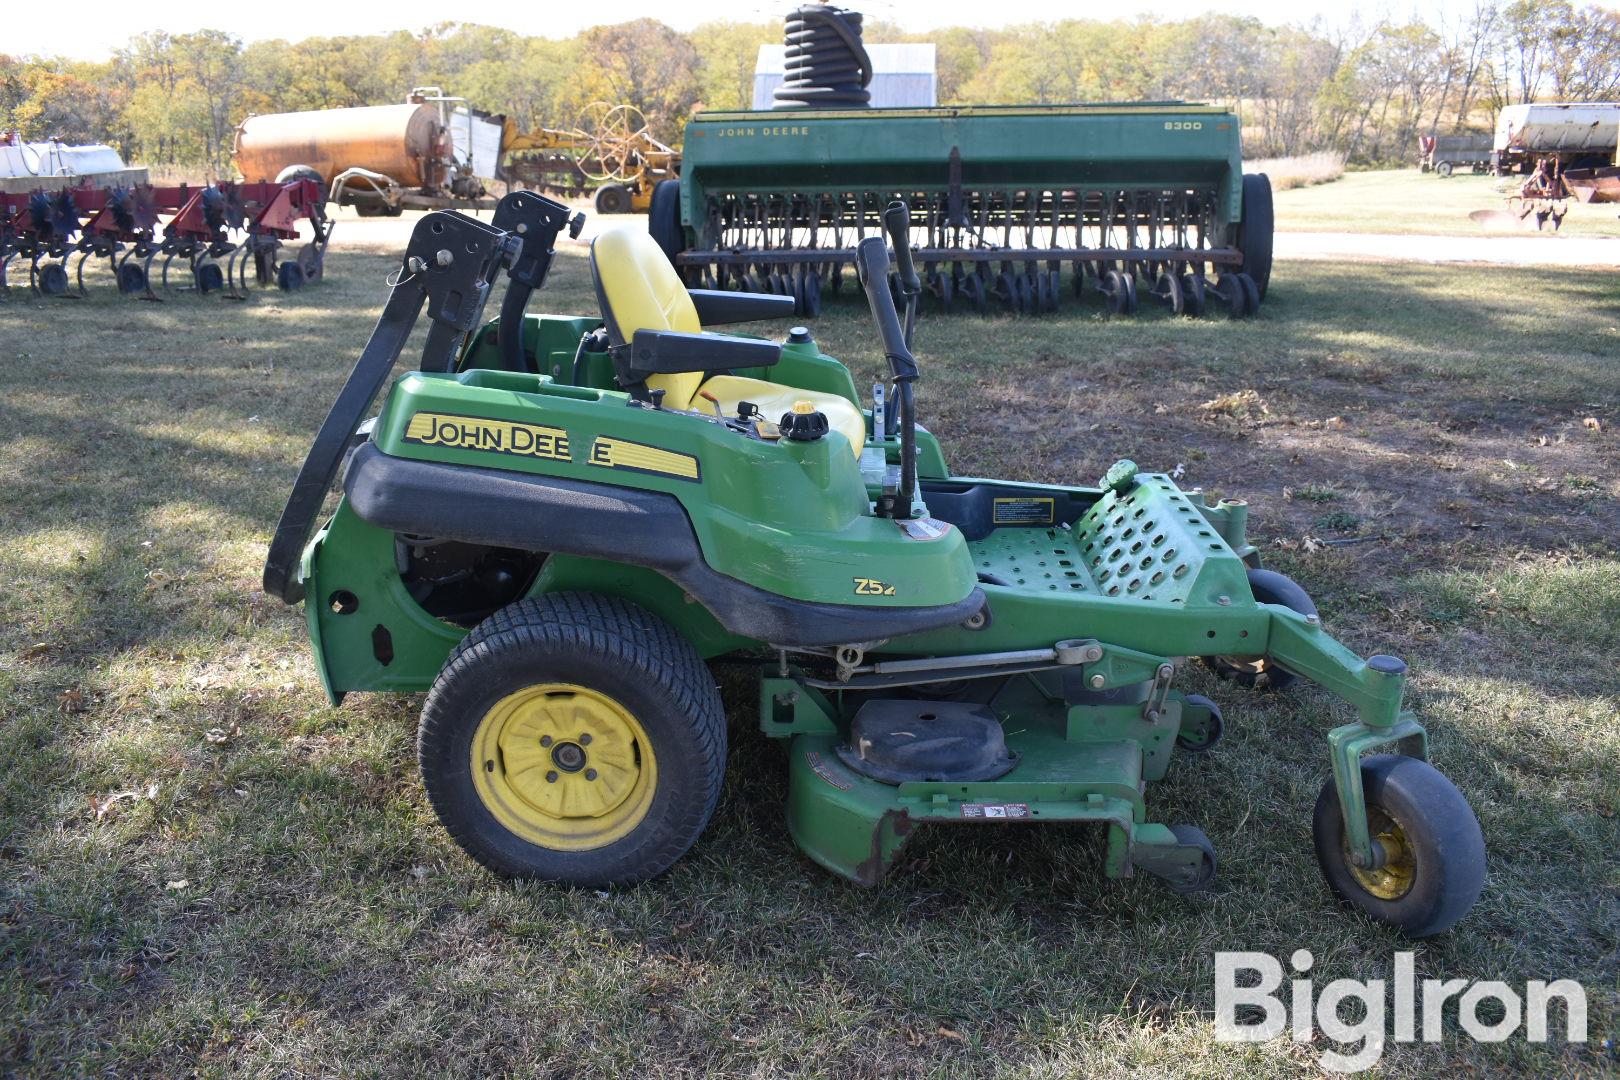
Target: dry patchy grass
<point x="272" y="897"/>
<point x="1301" y="170"/>
<point x="1406" y="201"/>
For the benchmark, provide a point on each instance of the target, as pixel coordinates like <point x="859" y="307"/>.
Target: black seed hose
<point x="827" y="66"/>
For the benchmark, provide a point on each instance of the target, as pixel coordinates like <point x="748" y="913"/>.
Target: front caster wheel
<point x="1201" y="725"/>
<point x="1204" y="876"/>
<point x="576" y="738"/>
<point x="1433" y="864"/>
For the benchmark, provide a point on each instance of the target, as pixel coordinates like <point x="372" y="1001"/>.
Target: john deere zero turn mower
<point x="557" y="520"/>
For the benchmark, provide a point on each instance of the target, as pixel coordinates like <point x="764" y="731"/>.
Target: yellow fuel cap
<point x="804" y="408"/>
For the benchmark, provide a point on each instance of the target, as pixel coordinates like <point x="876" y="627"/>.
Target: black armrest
<point x="716" y="306"/>
<point x="670" y="352"/>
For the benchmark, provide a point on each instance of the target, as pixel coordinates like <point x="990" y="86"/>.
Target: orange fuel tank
<point x="405" y="142"/>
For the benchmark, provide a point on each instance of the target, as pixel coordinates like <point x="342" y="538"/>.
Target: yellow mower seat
<point x="639" y="290"/>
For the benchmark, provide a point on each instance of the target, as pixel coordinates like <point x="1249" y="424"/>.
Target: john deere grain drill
<point x="1145" y="196"/>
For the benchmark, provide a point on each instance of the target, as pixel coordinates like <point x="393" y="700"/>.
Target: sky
<point x="99" y="26"/>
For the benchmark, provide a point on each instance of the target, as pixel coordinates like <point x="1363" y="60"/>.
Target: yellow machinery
<point x="609" y="149"/>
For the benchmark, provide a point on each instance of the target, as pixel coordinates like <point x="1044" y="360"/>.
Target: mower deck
<point x="1082" y="763"/>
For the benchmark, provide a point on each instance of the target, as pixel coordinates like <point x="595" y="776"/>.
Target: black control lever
<point x="897" y="221"/>
<point x="448" y="268"/>
<point x="872" y="263"/>
<point x="537" y="221"/>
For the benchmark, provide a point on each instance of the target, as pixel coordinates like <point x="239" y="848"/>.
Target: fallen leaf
<point x="71" y="701"/>
<point x="178" y="885"/>
<point x="104" y="806"/>
<point x="37" y="650"/>
<point x="1592" y="423"/>
<point x="1240" y="404"/>
<point x="949" y="1033"/>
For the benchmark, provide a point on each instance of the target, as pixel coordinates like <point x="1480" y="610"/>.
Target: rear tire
<point x="1434" y="848"/>
<point x="618" y="800"/>
<point x="304" y="172"/>
<point x="664" y="218"/>
<point x="613" y="199"/>
<point x="1256" y="229"/>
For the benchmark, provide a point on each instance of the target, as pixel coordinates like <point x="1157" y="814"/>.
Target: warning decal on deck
<point x="923" y="528"/>
<point x="1008" y="810"/>
<point x="1024" y="511"/>
<point x="820" y="768"/>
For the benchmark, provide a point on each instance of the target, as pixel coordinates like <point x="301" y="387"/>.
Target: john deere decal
<point x="494" y="436"/>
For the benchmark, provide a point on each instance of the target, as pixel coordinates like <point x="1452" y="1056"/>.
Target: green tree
<point x="727" y="53"/>
<point x="642" y="63"/>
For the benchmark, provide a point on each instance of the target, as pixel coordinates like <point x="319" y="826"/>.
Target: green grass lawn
<point x="204" y="870"/>
<point x="1409" y="201"/>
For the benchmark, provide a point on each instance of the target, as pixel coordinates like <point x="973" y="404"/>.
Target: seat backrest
<point x="638" y="289"/>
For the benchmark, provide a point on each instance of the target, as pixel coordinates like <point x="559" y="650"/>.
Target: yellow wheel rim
<point x="1394" y="879"/>
<point x="564" y="766"/>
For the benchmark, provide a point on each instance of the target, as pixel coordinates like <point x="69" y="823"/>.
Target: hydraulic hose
<point x="826" y="63"/>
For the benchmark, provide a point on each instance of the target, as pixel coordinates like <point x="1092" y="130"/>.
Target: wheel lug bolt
<point x="590" y="774"/>
<point x="545" y="740"/>
<point x="585" y="740"/>
<point x="551" y="777"/>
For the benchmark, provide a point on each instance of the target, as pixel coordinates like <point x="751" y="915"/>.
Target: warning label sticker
<point x="820" y="768"/>
<point x="924" y="528"/>
<point x="1024" y="511"/>
<point x="995" y="810"/>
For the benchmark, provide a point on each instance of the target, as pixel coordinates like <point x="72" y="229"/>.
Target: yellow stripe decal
<point x="491" y="436"/>
<point x="638" y="457"/>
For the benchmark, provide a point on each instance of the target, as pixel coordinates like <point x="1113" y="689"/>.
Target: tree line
<point x="1363" y="90"/>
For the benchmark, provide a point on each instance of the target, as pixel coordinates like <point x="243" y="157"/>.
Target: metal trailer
<point x="380" y="159"/>
<point x="51" y="165"/>
<point x="1445" y="154"/>
<point x="1565" y="150"/>
<point x="1572" y="134"/>
<point x="1002" y="198"/>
